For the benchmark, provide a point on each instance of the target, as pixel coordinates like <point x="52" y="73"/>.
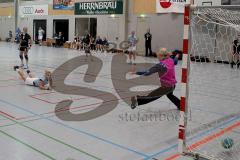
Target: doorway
<point x="86" y="25"/>
<point x="61" y="26"/>
<point x="36" y="25"/>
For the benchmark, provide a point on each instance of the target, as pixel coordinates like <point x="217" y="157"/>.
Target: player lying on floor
<point x="166" y="71"/>
<point x="44" y="83"/>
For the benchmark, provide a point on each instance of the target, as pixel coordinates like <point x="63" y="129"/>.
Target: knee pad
<point x="26" y="57"/>
<point x="21" y="56"/>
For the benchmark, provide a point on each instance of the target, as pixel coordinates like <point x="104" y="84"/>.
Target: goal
<point x="210" y="87"/>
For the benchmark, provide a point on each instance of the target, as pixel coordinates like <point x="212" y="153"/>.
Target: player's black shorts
<point x="23" y="48"/>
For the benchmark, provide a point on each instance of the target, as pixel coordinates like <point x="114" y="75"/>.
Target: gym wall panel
<point x="6" y="11"/>
<point x="111" y="28"/>
<point x="6" y="24"/>
<point x="144" y="6"/>
<point x="235" y="2"/>
<point x="28" y="22"/>
<point x="6" y="19"/>
<point x="167" y="29"/>
<point x="51" y="11"/>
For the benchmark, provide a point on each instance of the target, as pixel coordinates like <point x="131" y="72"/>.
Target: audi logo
<point x="27" y="10"/>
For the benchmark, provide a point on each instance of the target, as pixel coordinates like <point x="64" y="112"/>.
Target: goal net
<point x="212" y="116"/>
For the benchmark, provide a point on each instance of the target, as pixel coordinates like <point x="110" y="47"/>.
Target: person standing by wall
<point x="9" y="39"/>
<point x="17" y="36"/>
<point x="132" y="43"/>
<point x="148" y="43"/>
<point x="40" y="35"/>
<point x="235" y="55"/>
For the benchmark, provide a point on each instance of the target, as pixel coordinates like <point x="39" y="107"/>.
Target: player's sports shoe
<point x="26" y="67"/>
<point x="130" y="62"/>
<point x="15" y="68"/>
<point x="133" y="102"/>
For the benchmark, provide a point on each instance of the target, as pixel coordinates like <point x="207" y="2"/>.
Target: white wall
<point x="235" y="2"/>
<point x="167" y="29"/>
<point x="214" y="2"/>
<point x="102" y="21"/>
<point x="6" y="24"/>
<point x="102" y="24"/>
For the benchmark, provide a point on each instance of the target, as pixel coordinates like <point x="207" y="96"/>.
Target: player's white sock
<point x="130" y="61"/>
<point x="26" y="66"/>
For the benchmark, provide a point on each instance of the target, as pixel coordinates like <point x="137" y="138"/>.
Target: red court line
<point x="72" y="108"/>
<point x="76" y="99"/>
<point x="207" y="139"/>
<point x="40" y="99"/>
<point x="8" y="115"/>
<point x="39" y="94"/>
<point x="31" y="120"/>
<point x="62" y="110"/>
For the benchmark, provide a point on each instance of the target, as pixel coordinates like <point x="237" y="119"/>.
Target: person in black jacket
<point x="148" y="41"/>
<point x="25" y="44"/>
<point x="235" y="56"/>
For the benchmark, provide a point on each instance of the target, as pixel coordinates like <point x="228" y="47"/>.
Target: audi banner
<point x="33" y="10"/>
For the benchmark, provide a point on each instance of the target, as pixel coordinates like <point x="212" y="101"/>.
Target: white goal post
<point x="210" y="33"/>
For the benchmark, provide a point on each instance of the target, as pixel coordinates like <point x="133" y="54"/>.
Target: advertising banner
<point x="99" y="7"/>
<point x="63" y="4"/>
<point x="170" y="6"/>
<point x="32" y="10"/>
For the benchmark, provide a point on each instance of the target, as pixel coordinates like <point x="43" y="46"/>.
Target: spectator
<point x="59" y="39"/>
<point x="92" y="43"/>
<point x="99" y="43"/>
<point x="10" y="36"/>
<point x="79" y="43"/>
<point x="87" y="39"/>
<point x="73" y="44"/>
<point x="235" y="55"/>
<point x="105" y="44"/>
<point x="132" y="42"/>
<point x="40" y="35"/>
<point x="148" y="43"/>
<point x="18" y="33"/>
